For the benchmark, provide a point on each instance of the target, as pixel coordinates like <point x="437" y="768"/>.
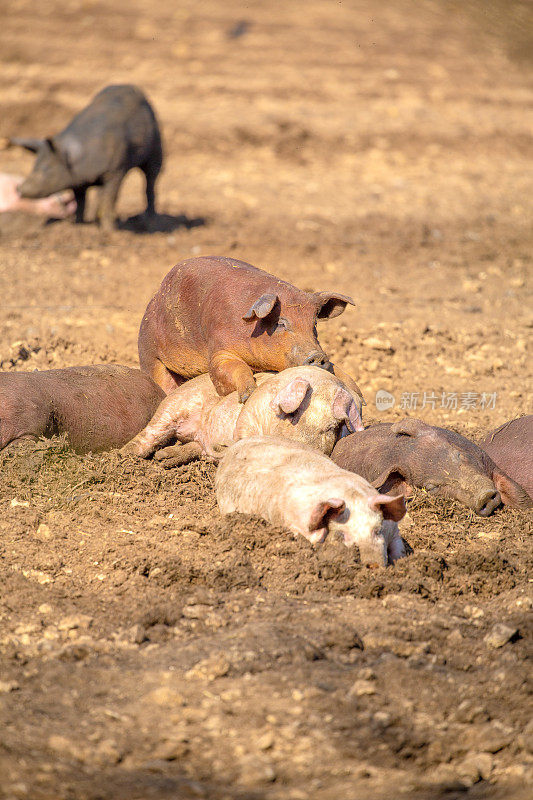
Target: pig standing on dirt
<point x="116" y="132"/>
<point x="303" y="403"/>
<point x="511" y="447"/>
<point x="57" y="206"/>
<point x="395" y="457"/>
<point x="225" y="317"/>
<point x="99" y="407"/>
<point x="292" y="485"/>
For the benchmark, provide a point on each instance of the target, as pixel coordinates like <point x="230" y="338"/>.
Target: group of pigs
<point x="231" y="367"/>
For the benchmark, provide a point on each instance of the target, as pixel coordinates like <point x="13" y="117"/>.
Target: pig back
<point x="117" y="129"/>
<point x="99" y="407"/>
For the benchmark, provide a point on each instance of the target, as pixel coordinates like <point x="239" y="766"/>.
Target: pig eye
<point x="282" y="324"/>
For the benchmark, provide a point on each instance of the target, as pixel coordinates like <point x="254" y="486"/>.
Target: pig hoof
<point x="246" y="393"/>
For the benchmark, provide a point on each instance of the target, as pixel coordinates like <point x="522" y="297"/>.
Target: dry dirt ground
<point x="151" y="648"/>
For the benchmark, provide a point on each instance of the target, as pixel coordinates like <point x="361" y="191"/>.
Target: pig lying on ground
<point x="396" y="457"/>
<point x="303" y="403"/>
<point x="99" y="407"/>
<point x="225" y="317"/>
<point x="116" y="132"/>
<point x="292" y="485"/>
<point x="57" y="206"/>
<point x="511" y="447"/>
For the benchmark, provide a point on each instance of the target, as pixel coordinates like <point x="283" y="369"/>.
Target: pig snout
<point x="303" y="357"/>
<point x="31" y="189"/>
<point x="487" y="502"/>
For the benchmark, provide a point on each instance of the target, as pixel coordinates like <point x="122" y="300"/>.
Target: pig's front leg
<point x="178" y="454"/>
<point x="230" y="373"/>
<point x="107" y="200"/>
<point x="160" y="430"/>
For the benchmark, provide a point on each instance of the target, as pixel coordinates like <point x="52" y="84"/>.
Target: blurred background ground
<point x="383" y="150"/>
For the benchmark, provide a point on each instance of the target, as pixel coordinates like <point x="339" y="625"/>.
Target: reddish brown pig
<point x="99" y="407"/>
<point x="511" y="447"/>
<point x="396" y="457"/>
<point x="225" y="317"/>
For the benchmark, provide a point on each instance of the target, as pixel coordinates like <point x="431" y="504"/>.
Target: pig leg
<point x="160" y="430"/>
<point x="108" y="198"/>
<point x="230" y="373"/>
<point x="80" y="194"/>
<point x="178" y="454"/>
<point x="164" y="377"/>
<point x="151" y="170"/>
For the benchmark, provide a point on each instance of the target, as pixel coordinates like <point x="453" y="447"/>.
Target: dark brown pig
<point x="225" y="317"/>
<point x="116" y="132"/>
<point x="511" y="447"/>
<point x="99" y="407"/>
<point x="396" y="457"/>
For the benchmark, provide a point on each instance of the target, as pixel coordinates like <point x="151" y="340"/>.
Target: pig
<point x="223" y="316"/>
<point x="511" y="447"/>
<point x="116" y="132"/>
<point x="57" y="206"/>
<point x="395" y="457"/>
<point x="99" y="407"/>
<point x="303" y="403"/>
<point x="290" y="484"/>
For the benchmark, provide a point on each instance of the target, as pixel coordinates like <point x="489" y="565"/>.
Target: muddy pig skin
<point x="292" y="485"/>
<point x="303" y="403"/>
<point x="116" y="132"/>
<point x="223" y="316"/>
<point x="511" y="447"/>
<point x="99" y="407"/>
<point x="396" y="457"/>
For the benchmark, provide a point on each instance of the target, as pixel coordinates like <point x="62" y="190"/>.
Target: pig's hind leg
<point x="151" y="170"/>
<point x="178" y="454"/>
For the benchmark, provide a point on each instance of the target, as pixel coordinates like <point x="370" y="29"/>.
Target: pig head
<point x="51" y="172"/>
<point x="396" y="457"/>
<point x="228" y="318"/>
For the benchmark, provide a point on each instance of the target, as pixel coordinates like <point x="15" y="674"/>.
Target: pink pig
<point x="292" y="485"/>
<point x="304" y="403"/>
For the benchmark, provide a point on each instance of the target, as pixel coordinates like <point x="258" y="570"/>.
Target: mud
<point x="150" y="648"/>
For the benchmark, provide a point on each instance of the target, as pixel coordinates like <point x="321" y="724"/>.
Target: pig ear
<point x="409" y="427"/>
<point x="290" y="398"/>
<point x="393" y="481"/>
<point x="390" y="507"/>
<point x="324" y="511"/>
<point x="30" y="144"/>
<point x="512" y="493"/>
<point x="262" y="307"/>
<point x="345" y="410"/>
<point x="331" y="304"/>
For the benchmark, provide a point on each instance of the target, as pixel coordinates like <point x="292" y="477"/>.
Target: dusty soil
<point x="151" y="648"/>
